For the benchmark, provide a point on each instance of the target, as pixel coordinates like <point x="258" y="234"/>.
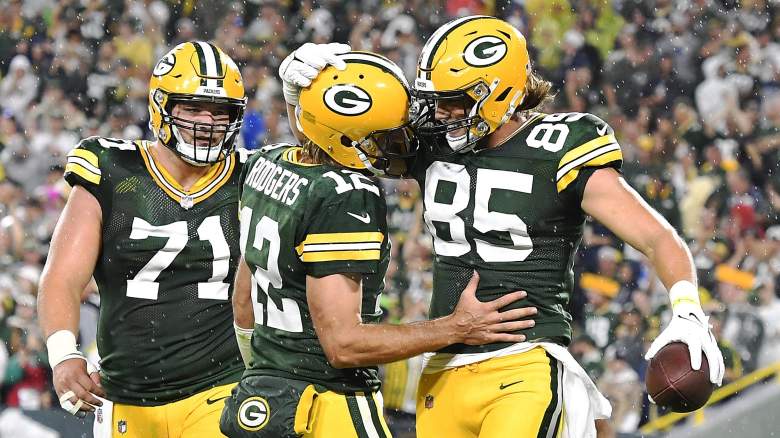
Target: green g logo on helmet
<point x="484" y="51"/>
<point x="347" y="100"/>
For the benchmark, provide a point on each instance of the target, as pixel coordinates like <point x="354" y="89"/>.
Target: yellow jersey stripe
<point x="333" y="256"/>
<point x="583" y="159"/>
<point x="173" y="185"/>
<point x="340" y="238"/>
<point x="144" y="154"/>
<point x="356" y="237"/>
<point x="314" y="247"/>
<point x="90" y="156"/>
<point x="83" y="172"/>
<point x="85" y="164"/>
<point x="231" y="164"/>
<point x="585" y="148"/>
<point x="600" y="160"/>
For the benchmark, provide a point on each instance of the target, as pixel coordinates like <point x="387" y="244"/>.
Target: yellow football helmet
<point x="479" y="61"/>
<point x="191" y="72"/>
<point x="359" y="116"/>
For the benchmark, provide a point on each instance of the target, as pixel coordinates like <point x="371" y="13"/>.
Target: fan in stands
<point x="672" y="382"/>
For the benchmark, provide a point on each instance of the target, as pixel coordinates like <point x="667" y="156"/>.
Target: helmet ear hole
<point x="345" y="141"/>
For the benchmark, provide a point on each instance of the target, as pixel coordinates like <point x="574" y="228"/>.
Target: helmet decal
<point x="165" y="65"/>
<point x="484" y="51"/>
<point x="347" y="99"/>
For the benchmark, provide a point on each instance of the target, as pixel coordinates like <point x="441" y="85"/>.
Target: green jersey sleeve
<point x="346" y="230"/>
<point x="591" y="145"/>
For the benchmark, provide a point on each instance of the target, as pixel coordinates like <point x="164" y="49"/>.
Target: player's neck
<point x="184" y="173"/>
<point x="507" y="130"/>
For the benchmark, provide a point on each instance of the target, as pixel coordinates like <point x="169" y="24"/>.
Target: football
<point x="671" y="381"/>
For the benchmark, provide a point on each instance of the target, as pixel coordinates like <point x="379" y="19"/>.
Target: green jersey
<point x="300" y="220"/>
<point x="164" y="272"/>
<point x="513" y="214"/>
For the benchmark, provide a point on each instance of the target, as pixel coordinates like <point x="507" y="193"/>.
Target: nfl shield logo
<point x="99" y="415"/>
<point x="428" y="401"/>
<point x="121" y="426"/>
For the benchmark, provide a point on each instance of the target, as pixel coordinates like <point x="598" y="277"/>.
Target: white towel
<point x="104" y="421"/>
<point x="582" y="402"/>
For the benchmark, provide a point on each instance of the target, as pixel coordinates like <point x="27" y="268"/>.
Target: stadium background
<point x="691" y="87"/>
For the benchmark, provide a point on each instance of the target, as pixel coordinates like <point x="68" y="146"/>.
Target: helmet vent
<point x="503" y="94"/>
<point x="509" y="37"/>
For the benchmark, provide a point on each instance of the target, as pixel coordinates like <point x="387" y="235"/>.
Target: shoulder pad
<point x="589" y="142"/>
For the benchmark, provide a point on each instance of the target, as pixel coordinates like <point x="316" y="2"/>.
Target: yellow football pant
<point x="510" y="396"/>
<point x="330" y="414"/>
<point x="196" y="416"/>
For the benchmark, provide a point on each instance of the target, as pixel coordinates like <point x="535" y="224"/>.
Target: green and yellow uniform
<point x="300" y="220"/>
<point x="513" y="214"/>
<point x="164" y="273"/>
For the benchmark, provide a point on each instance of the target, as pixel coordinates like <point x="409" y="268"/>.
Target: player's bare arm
<point x="610" y="200"/>
<point x="74" y="251"/>
<point x="243" y="315"/>
<point x="334" y="302"/>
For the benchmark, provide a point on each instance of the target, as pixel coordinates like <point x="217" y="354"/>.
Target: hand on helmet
<point x="305" y="63"/>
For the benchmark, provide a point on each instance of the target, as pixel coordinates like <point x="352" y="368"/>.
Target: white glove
<point x="690" y="326"/>
<point x="301" y="66"/>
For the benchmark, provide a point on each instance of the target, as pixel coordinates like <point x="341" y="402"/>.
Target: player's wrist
<point x="684" y="296"/>
<point x="61" y="346"/>
<point x="244" y="340"/>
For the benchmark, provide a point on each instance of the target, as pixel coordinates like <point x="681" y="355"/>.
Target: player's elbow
<point x="340" y="352"/>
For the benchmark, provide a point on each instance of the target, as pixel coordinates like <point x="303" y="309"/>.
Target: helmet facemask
<point x="209" y="142"/>
<point x="388" y="153"/>
<point x="443" y="136"/>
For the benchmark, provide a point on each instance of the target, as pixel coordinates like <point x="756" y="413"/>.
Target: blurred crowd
<point x="691" y="87"/>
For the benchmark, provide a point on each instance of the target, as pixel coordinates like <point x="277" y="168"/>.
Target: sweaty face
<point x="202" y="124"/>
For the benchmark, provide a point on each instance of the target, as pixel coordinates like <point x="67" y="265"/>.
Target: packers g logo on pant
<point x="484" y="51"/>
<point x="253" y="414"/>
<point x="347" y="100"/>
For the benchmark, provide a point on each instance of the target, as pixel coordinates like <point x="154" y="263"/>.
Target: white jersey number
<point x="145" y="285"/>
<point x="288" y="318"/>
<point x="485" y="220"/>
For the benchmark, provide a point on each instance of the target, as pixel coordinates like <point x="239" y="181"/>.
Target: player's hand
<point x="77" y="387"/>
<point x="690" y="326"/>
<point x="305" y="63"/>
<point x="478" y="323"/>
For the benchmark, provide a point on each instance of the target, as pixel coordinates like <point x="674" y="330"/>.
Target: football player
<point x="315" y="251"/>
<point x="155" y="223"/>
<point x="506" y="192"/>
